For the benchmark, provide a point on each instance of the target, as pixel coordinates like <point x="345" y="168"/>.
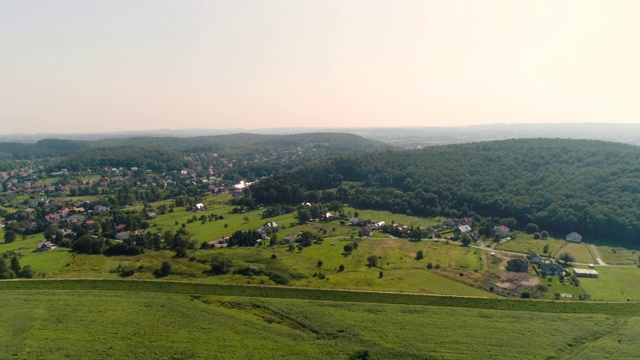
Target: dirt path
<point x="597" y="254"/>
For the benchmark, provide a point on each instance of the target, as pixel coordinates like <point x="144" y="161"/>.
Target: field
<point x="580" y="251"/>
<point x="618" y="255"/>
<point x="50" y="262"/>
<point x="76" y="324"/>
<point x="614" y="284"/>
<point x="525" y="244"/>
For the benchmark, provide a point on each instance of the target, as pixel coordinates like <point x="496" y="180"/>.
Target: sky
<point x="99" y="66"/>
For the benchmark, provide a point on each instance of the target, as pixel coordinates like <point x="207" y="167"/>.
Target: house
<point x="535" y="258"/>
<point x="123" y="235"/>
<point x="290" y="238"/>
<point x="501" y="230"/>
<point x="45" y="246"/>
<point x="467" y="221"/>
<point x="574" y="237"/>
<point x="463" y="229"/>
<point x="379" y="225"/>
<point x="585" y="273"/>
<point x="270" y="225"/>
<point x="199" y="207"/>
<point x="354" y="221"/>
<point x="551" y="269"/>
<point x="100" y="209"/>
<point x="151" y="215"/>
<point x="328" y="216"/>
<point x="518" y="265"/>
<point x="365" y="231"/>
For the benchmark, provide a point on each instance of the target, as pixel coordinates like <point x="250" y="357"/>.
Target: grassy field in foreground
<point x="126" y="325"/>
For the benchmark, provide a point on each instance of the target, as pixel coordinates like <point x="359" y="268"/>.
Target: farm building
<point x="501" y="230"/>
<point x="574" y="237"/>
<point x="585" y="273"/>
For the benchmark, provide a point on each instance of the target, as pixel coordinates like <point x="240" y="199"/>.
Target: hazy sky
<point x="88" y="66"/>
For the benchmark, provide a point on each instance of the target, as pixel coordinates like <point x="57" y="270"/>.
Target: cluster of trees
<point x="14" y="269"/>
<point x="592" y="187"/>
<point x="156" y="158"/>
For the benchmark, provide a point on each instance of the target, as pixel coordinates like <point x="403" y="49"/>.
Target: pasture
<point x="525" y="243"/>
<point x="614" y="284"/>
<point x="73" y="324"/>
<point x="616" y="255"/>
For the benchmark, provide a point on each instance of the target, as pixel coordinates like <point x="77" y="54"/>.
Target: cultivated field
<point x="100" y="324"/>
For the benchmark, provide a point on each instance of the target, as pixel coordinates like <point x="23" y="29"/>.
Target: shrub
<point x="430" y="265"/>
<point x="420" y="255"/>
<point x="341" y="268"/>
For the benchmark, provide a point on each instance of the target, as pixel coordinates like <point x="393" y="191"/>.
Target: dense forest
<point x="150" y="157"/>
<point x="592" y="187"/>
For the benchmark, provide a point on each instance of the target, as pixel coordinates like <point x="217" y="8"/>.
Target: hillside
<point x="323" y="143"/>
<point x="588" y="186"/>
<point x="151" y="157"/>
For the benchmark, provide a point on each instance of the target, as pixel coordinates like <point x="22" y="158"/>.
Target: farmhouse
<point x="518" y="265"/>
<point x="501" y="230"/>
<point x="551" y="269"/>
<point x="535" y="258"/>
<point x="574" y="237"/>
<point x="45" y="246"/>
<point x="585" y="273"/>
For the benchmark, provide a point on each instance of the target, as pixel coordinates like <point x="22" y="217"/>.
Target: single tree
<point x="164" y="270"/>
<point x="419" y="255"/>
<point x="319" y="263"/>
<point x="341" y="268"/>
<point x="544" y="235"/>
<point x="567" y="258"/>
<point x="466" y="239"/>
<point x="545" y="249"/>
<point x="9" y="236"/>
<point x="348" y="248"/>
<point x="246" y="219"/>
<point x="531" y="228"/>
<point x="372" y="261"/>
<point x="15" y="265"/>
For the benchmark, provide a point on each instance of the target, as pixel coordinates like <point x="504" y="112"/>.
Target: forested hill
<point x="150" y="157"/>
<point x="592" y="187"/>
<point x="324" y="143"/>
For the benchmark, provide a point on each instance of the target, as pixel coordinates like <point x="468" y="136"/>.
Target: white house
<point x="200" y="207"/>
<point x="574" y="237"/>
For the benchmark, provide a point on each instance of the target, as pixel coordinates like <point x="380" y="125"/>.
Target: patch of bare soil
<point x="471" y="278"/>
<point x="512" y="280"/>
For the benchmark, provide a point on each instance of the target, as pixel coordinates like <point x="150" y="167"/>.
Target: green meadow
<point x="74" y="324"/>
<point x="614" y="284"/>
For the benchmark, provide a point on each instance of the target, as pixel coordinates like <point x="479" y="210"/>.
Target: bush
<point x="220" y="265"/>
<point x="420" y="255"/>
<point x="372" y="261"/>
<point x="164" y="270"/>
<point x="430" y="265"/>
<point x="341" y="268"/>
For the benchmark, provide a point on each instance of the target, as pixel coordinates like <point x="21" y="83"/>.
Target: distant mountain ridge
<point x="330" y="142"/>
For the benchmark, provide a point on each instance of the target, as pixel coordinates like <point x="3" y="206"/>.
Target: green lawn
<point x="137" y="325"/>
<point x="388" y="217"/>
<point x="614" y="284"/>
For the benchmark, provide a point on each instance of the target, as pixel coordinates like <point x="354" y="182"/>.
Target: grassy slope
<point x="107" y="325"/>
